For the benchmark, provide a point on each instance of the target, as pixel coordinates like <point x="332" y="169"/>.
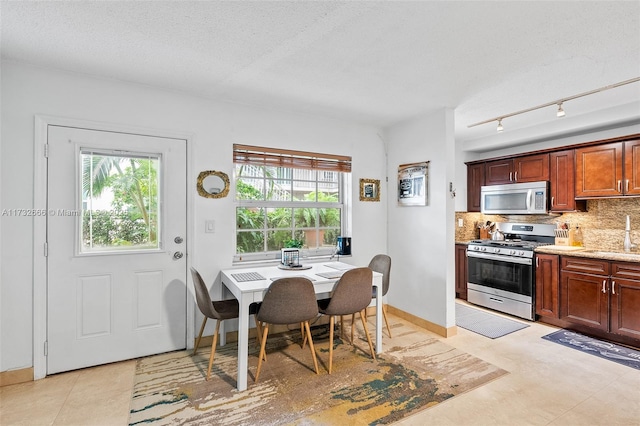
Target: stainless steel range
<point x="501" y="273"/>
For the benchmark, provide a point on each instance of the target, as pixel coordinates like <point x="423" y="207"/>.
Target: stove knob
<point x="512" y="252"/>
<point x="483" y="249"/>
<point x="496" y="250"/>
<point x="522" y="253"/>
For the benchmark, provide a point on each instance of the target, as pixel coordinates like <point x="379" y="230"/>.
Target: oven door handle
<point x="519" y="260"/>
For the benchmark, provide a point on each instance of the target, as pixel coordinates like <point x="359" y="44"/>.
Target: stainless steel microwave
<point x="515" y="198"/>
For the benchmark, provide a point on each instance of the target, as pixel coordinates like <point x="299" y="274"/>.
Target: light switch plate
<point x="210" y="226"/>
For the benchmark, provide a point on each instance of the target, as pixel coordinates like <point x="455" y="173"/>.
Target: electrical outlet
<point x="460" y="223"/>
<point x="210" y="226"/>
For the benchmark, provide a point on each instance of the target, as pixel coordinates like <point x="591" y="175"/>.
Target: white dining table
<point x="248" y="288"/>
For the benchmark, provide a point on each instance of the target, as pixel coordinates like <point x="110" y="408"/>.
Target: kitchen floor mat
<point x="607" y="350"/>
<point x="485" y="323"/>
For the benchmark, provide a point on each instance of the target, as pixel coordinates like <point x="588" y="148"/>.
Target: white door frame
<point x="40" y="224"/>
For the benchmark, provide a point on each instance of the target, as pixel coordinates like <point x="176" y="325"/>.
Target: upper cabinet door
<point x="531" y="168"/>
<point x="632" y="167"/>
<point x="475" y="180"/>
<point x="499" y="172"/>
<point x="599" y="171"/>
<point x="562" y="182"/>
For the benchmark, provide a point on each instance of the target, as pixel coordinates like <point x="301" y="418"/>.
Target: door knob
<point x="178" y="240"/>
<point x="178" y="255"/>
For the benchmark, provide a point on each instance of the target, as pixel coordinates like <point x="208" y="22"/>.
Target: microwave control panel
<point x="539" y="200"/>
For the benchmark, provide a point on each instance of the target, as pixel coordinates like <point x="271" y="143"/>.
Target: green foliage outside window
<point x="132" y="217"/>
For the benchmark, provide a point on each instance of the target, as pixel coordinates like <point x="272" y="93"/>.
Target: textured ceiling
<point x="377" y="62"/>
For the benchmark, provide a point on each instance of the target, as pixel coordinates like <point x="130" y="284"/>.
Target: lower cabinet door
<point x="584" y="299"/>
<point x="625" y="307"/>
<point x="547" y="301"/>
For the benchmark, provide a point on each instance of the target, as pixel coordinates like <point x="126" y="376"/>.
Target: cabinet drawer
<point x="588" y="266"/>
<point x="625" y="270"/>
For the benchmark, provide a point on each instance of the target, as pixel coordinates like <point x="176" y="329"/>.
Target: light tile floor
<point x="548" y="384"/>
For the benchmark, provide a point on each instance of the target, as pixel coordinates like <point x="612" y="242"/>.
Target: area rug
<point x="485" y="323"/>
<point x="611" y="351"/>
<point x="170" y="389"/>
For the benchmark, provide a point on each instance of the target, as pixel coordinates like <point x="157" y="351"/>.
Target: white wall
<point x="421" y="239"/>
<point x="27" y="91"/>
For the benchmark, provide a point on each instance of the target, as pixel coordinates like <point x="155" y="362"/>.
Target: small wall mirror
<point x="369" y="190"/>
<point x="213" y="184"/>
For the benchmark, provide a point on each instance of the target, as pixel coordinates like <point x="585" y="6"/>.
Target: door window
<point x="120" y="196"/>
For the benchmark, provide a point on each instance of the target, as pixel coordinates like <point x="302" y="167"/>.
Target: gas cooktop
<point x="520" y="244"/>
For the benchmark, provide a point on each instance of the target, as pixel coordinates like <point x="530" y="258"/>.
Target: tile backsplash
<point x="602" y="224"/>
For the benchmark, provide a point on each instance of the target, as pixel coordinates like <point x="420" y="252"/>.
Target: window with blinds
<point x="287" y="198"/>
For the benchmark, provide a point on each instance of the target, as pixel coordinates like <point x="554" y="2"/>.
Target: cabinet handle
<point x="613" y="287"/>
<point x="626" y="190"/>
<point x="604" y="286"/>
<point x="552" y="200"/>
<point x="620" y="186"/>
<point x="516" y="177"/>
<point x="537" y="262"/>
<point x="510" y="176"/>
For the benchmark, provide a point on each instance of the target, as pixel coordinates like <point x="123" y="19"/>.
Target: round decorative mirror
<point x="213" y="184"/>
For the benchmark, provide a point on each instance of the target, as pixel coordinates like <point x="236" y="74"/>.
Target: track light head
<point x="560" y="112"/>
<point x="500" y="128"/>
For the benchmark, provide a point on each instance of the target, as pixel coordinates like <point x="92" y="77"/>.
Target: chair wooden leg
<point x="386" y="321"/>
<point x="366" y="332"/>
<point x="303" y="337"/>
<point x="213" y="348"/>
<point x="263" y="345"/>
<point x="353" y="325"/>
<point x="259" y="335"/>
<point x="341" y="327"/>
<point x="311" y="347"/>
<point x="331" y="323"/>
<point x="204" y="322"/>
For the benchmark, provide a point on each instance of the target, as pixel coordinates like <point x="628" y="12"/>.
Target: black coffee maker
<point x="344" y="246"/>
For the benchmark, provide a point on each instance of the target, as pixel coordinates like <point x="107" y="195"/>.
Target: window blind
<point x="275" y="157"/>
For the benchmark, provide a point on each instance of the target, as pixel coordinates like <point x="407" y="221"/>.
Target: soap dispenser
<point x="578" y="239"/>
<point x="628" y="245"/>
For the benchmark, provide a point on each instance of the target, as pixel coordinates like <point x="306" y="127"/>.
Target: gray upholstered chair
<point x="219" y="310"/>
<point x="288" y="301"/>
<point x="382" y="263"/>
<point x="351" y="294"/>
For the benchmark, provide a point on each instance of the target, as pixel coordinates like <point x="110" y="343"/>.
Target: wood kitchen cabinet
<point x="475" y="181"/>
<point x="592" y="296"/>
<point x="599" y="170"/>
<point x="584" y="299"/>
<point x="625" y="299"/>
<point x="547" y="278"/>
<point x="531" y="168"/>
<point x="461" y="271"/>
<point x="528" y="168"/>
<point x="601" y="294"/>
<point x="608" y="170"/>
<point x="498" y="172"/>
<point x="562" y="185"/>
<point x="632" y="167"/>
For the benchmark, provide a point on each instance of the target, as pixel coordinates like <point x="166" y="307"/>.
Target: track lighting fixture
<point x="559" y="102"/>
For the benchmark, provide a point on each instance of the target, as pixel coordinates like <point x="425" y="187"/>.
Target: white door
<point x="116" y="228"/>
